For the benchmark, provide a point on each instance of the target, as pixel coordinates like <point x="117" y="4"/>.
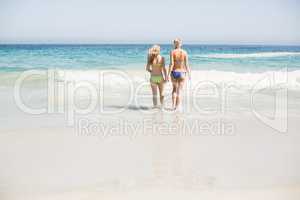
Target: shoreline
<point x="45" y="157"/>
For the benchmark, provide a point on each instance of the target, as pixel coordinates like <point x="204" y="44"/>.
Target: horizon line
<point x="146" y="43"/>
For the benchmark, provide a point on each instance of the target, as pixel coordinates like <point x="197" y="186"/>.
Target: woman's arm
<point x="187" y="65"/>
<point x="171" y="65"/>
<point x="164" y="70"/>
<point x="148" y="66"/>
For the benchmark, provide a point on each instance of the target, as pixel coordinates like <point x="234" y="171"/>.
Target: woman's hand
<point x="167" y="79"/>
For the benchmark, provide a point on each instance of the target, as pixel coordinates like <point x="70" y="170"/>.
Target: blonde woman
<point x="178" y="71"/>
<point x="156" y="67"/>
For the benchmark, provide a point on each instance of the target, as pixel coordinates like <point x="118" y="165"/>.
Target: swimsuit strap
<point x="158" y="63"/>
<point x="181" y="56"/>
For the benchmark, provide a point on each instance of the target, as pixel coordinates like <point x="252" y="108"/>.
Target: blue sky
<point x="138" y="21"/>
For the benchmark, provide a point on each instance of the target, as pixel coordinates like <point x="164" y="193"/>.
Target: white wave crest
<point x="250" y="55"/>
<point x="123" y="79"/>
<point x="245" y="80"/>
<point x="289" y="79"/>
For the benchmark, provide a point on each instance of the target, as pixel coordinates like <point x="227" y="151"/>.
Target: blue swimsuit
<point x="178" y="75"/>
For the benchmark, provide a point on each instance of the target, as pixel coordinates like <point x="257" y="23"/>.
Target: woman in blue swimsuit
<point x="178" y="70"/>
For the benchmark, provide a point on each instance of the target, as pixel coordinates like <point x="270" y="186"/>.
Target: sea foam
<point x="249" y="55"/>
<point x="115" y="78"/>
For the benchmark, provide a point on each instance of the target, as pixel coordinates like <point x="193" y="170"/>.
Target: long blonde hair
<point x="152" y="53"/>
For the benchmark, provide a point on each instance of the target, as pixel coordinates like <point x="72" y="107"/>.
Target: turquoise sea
<point x="77" y="133"/>
<point x="236" y="58"/>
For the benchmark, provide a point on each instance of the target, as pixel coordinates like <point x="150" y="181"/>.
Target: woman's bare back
<point x="179" y="56"/>
<point x="157" y="65"/>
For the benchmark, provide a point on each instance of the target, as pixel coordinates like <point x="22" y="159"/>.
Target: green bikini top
<point x="156" y="65"/>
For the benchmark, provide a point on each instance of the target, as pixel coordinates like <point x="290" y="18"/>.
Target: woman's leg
<point x="154" y="93"/>
<point x="161" y="92"/>
<point x="174" y="93"/>
<point x="179" y="90"/>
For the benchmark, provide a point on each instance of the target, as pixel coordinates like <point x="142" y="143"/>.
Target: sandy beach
<point x="209" y="149"/>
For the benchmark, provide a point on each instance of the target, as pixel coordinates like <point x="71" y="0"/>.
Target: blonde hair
<point x="177" y="42"/>
<point x="153" y="52"/>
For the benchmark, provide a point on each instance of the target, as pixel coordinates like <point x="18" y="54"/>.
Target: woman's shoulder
<point x="176" y="51"/>
<point x="183" y="51"/>
<point x="161" y="58"/>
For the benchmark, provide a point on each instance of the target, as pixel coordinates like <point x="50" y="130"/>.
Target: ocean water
<point x="233" y="58"/>
<point x="42" y="153"/>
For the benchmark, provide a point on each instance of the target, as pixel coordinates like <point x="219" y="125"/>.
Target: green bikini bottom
<point x="156" y="79"/>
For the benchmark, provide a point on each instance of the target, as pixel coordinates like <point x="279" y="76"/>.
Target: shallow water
<point x="215" y="142"/>
<point x="235" y="58"/>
